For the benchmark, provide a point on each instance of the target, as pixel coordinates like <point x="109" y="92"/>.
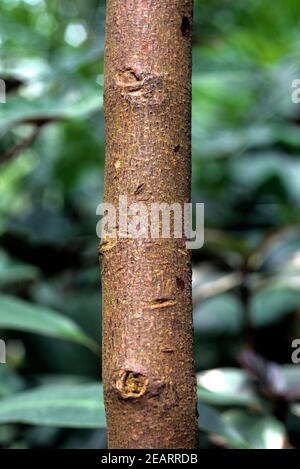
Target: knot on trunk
<point x="130" y="80"/>
<point x="139" y="87"/>
<point x="132" y="385"/>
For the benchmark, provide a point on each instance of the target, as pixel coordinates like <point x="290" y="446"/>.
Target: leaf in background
<point x="226" y="386"/>
<point x="222" y="314"/>
<point x="212" y="422"/>
<point x="12" y="271"/>
<point x="260" y="431"/>
<point x="10" y="382"/>
<point x="295" y="409"/>
<point x="77" y="103"/>
<point x="276" y="251"/>
<point x="19" y="315"/>
<point x="292" y="378"/>
<point x="253" y="170"/>
<point x="69" y="405"/>
<point x="271" y="304"/>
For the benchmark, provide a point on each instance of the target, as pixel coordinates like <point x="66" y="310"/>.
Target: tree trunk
<point x="148" y="365"/>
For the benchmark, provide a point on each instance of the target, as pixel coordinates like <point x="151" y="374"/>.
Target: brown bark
<point x="148" y="365"/>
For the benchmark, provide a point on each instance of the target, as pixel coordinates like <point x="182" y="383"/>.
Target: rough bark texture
<point x="148" y="365"/>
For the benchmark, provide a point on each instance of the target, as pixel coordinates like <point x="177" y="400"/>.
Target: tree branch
<point x="38" y="122"/>
<point x="16" y="149"/>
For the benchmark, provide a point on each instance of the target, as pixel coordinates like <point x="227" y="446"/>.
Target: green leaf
<point x="13" y="271"/>
<point x="77" y="103"/>
<point x="221" y="314"/>
<point x="68" y="405"/>
<point x="225" y="386"/>
<point x="292" y="375"/>
<point x="295" y="409"/>
<point x="271" y="304"/>
<point x="211" y="421"/>
<point x="259" y="431"/>
<point x="19" y="315"/>
<point x="10" y="382"/>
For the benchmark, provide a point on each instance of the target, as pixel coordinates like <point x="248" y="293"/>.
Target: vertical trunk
<point x="148" y="366"/>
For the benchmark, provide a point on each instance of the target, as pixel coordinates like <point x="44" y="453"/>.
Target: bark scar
<point x="107" y="245"/>
<point x="139" y="189"/>
<point x="138" y="86"/>
<point x="117" y="164"/>
<point x="167" y="350"/>
<point x="132" y="385"/>
<point x="162" y="303"/>
<point x="130" y="80"/>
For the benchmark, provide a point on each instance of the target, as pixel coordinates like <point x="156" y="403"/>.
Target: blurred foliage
<point x="246" y="169"/>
